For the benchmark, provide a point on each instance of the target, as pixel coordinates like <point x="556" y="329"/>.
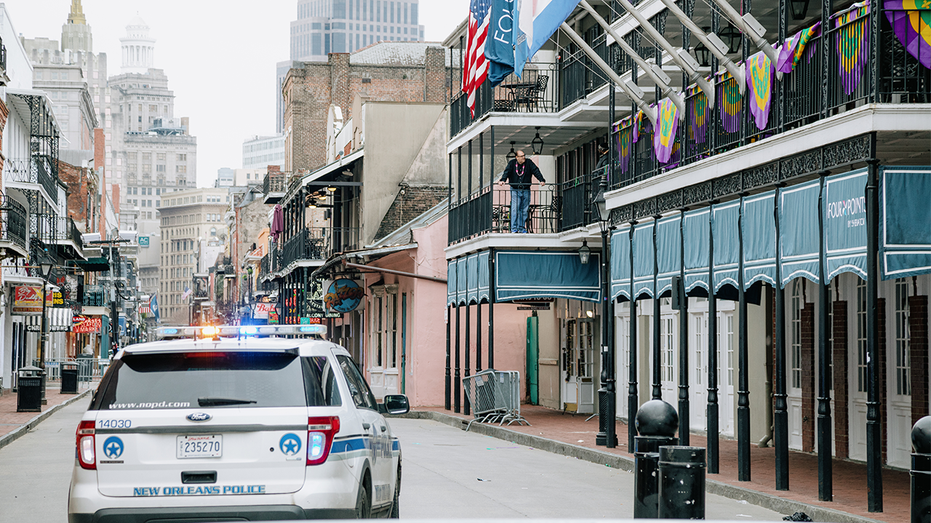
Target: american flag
<point x="476" y="67"/>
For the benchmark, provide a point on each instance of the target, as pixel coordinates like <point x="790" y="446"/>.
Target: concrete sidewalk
<point x="15" y="424"/>
<point x="570" y="434"/>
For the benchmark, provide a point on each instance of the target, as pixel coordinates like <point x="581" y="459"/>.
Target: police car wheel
<point x="395" y="506"/>
<point x="363" y="504"/>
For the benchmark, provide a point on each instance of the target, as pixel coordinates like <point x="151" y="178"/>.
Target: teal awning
<point x="726" y="243"/>
<point x="905" y="221"/>
<point x="758" y="223"/>
<point x="643" y="260"/>
<point x="451" y="281"/>
<point x="798" y="232"/>
<point x="696" y="229"/>
<point x="98" y="264"/>
<point x="620" y="263"/>
<point x="467" y="279"/>
<point x="534" y="274"/>
<point x="845" y="223"/>
<point x="668" y="252"/>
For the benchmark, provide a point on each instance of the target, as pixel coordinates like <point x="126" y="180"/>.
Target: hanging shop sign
<point x="27" y="301"/>
<point x="86" y="324"/>
<point x="343" y="296"/>
<point x="264" y="310"/>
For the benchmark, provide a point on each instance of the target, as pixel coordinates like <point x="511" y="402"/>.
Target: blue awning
<point x="759" y="238"/>
<point x="668" y="252"/>
<point x="643" y="260"/>
<point x="798" y="232"/>
<point x="620" y="263"/>
<point x="845" y="223"/>
<point x="524" y="274"/>
<point x="726" y="243"/>
<point x="696" y="228"/>
<point x="452" y="276"/>
<point x="462" y="281"/>
<point x="904" y="218"/>
<point x="484" y="292"/>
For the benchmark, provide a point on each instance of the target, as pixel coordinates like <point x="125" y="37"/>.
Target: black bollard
<point x="656" y="422"/>
<point x="921" y="471"/>
<point x="681" y="482"/>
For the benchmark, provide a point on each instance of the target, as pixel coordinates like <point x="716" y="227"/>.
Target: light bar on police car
<point x="239" y="331"/>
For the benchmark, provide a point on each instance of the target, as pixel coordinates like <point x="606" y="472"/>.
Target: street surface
<point x="447" y="474"/>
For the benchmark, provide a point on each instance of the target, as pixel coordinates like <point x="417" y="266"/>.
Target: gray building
<point x="262" y="151"/>
<point x="343" y="26"/>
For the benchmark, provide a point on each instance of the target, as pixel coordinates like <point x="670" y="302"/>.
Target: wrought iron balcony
<point x="2" y="59"/>
<point x="274" y="186"/>
<point x="308" y="244"/>
<point x="36" y="170"/>
<point x="94" y="296"/>
<point x="535" y="92"/>
<point x="13" y="225"/>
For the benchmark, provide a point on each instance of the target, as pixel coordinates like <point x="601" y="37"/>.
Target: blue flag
<point x="153" y="304"/>
<point x="537" y="20"/>
<point x="499" y="47"/>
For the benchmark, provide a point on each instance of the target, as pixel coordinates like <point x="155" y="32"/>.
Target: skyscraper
<point x="343" y="26"/>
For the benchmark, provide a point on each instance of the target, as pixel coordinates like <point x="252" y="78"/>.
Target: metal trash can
<point x="681" y="482"/>
<point x="921" y="471"/>
<point x="69" y="378"/>
<point x="29" y="385"/>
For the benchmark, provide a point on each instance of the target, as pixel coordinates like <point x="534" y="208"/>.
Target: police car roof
<point x="303" y="346"/>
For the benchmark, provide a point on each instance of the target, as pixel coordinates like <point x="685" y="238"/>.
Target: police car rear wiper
<point x="213" y="402"/>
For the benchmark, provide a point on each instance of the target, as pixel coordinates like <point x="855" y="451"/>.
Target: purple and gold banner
<point x="623" y="135"/>
<point x="664" y="138"/>
<point x="911" y="21"/>
<point x="698" y="115"/>
<point x="791" y="53"/>
<point x="730" y="101"/>
<point x="853" y="44"/>
<point x="760" y="83"/>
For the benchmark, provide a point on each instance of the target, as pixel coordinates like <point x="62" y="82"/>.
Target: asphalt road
<point x="447" y="474"/>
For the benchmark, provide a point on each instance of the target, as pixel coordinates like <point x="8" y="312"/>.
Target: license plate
<point x="200" y="447"/>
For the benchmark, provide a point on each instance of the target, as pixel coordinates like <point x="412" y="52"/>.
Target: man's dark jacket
<point x="513" y="177"/>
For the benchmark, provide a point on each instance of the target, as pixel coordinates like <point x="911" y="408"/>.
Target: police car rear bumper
<point x="255" y="513"/>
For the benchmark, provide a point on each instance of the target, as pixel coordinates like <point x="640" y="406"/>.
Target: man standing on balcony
<point x="519" y="174"/>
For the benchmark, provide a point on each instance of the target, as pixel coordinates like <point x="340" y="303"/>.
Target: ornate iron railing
<point x="536" y="91"/>
<point x="275" y="182"/>
<point x="36" y="170"/>
<point x="12" y="221"/>
<point x="94" y="296"/>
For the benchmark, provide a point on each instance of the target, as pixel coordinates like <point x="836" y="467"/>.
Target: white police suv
<point x="235" y="427"/>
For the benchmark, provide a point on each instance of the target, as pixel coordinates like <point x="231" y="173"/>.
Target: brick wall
<point x="80" y="206"/>
<point x="313" y="87"/>
<point x="918" y="347"/>
<point x="410" y="203"/>
<point x="841" y="439"/>
<point x="809" y="406"/>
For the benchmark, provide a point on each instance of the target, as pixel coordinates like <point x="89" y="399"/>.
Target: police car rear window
<point x="205" y="379"/>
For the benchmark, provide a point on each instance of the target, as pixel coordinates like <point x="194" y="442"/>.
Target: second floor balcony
<point x="274" y="186"/>
<point x="62" y="231"/>
<point x="35" y="173"/>
<point x="311" y="246"/>
<point x="13" y="227"/>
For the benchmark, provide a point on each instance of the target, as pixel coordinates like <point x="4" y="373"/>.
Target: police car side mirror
<point x="395" y="404"/>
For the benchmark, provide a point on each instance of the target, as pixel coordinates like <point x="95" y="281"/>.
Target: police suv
<point x="242" y="424"/>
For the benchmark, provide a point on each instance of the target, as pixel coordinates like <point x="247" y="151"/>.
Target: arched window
<point x="213" y="231"/>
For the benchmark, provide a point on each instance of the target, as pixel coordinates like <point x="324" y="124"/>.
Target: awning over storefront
<point x="726" y="243"/>
<point x="620" y="263"/>
<point x="845" y="223"/>
<point x="798" y="232"/>
<point x="696" y="229"/>
<point x="668" y="252"/>
<point x="643" y="260"/>
<point x="905" y="221"/>
<point x="758" y="223"/>
<point x="98" y="264"/>
<point x="467" y="279"/>
<point x="523" y="274"/>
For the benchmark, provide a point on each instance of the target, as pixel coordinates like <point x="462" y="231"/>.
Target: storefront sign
<point x="263" y="310"/>
<point x="343" y="296"/>
<point x="86" y="324"/>
<point x="27" y="301"/>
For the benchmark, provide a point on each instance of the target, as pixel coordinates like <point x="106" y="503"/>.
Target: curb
<point x="10" y="437"/>
<point x="767" y="501"/>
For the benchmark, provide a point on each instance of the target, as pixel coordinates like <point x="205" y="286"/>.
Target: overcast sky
<point x="219" y="56"/>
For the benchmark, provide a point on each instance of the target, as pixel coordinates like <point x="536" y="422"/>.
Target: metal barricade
<point x="494" y="396"/>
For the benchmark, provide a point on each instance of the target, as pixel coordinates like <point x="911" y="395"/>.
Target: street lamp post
<point x="46" y="269"/>
<point x="608" y="406"/>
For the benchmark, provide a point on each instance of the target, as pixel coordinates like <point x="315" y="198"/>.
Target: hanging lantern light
<point x="799" y="9"/>
<point x="537" y="144"/>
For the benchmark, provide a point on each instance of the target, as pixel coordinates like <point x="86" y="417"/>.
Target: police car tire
<point x="363" y="503"/>
<point x="395" y="506"/>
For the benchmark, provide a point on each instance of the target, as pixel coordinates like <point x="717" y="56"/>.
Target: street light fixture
<point x="584" y="253"/>
<point x="537" y="143"/>
<point x="45" y="268"/>
<point x="607" y="406"/>
<point x="799" y="9"/>
<point x="512" y="154"/>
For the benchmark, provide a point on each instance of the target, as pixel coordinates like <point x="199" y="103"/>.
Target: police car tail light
<point x="86" y="445"/>
<point x="320" y="432"/>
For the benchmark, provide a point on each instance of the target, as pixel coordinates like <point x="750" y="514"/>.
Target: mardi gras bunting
<point x="853" y="44"/>
<point x="730" y="102"/>
<point x="911" y="21"/>
<point x="664" y="137"/>
<point x="791" y="53"/>
<point x="760" y="83"/>
<point x="698" y="116"/>
<point x="623" y="141"/>
<point x="638" y="121"/>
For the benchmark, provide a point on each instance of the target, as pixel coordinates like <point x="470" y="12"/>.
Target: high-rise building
<point x="343" y="26"/>
<point x="262" y="151"/>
